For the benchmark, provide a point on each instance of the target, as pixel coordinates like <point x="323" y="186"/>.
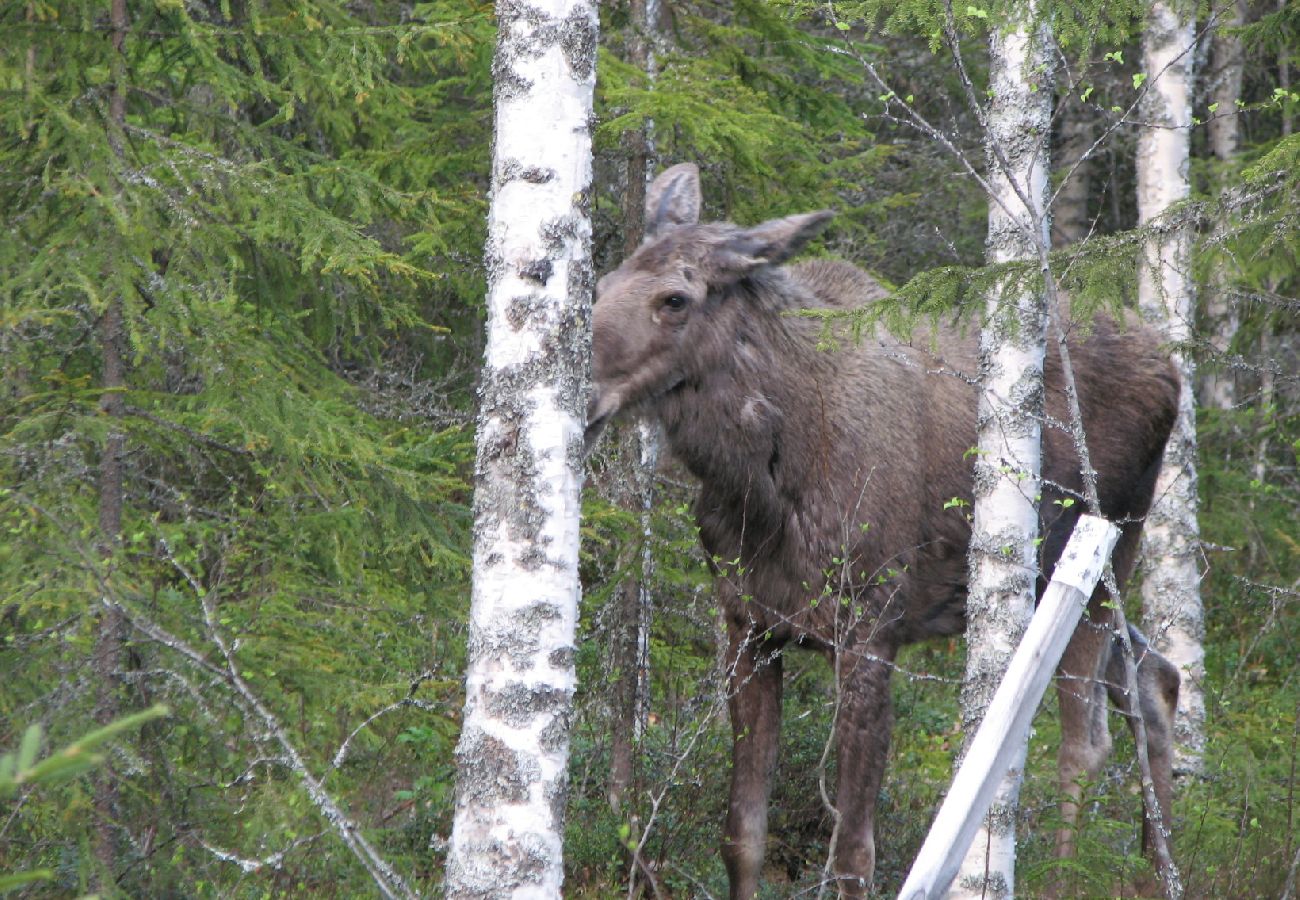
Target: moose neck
<point x="749" y="418"/>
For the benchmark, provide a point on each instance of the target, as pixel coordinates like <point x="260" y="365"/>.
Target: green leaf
<point x="18" y="879"/>
<point x="29" y="747"/>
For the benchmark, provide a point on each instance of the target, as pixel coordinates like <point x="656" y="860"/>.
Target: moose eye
<point x="676" y="303"/>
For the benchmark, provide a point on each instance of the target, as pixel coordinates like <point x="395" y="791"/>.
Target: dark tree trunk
<point x="638" y="456"/>
<point x="1070" y="219"/>
<point x="108" y="640"/>
<point x="641" y="55"/>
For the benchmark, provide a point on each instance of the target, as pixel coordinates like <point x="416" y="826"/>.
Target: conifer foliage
<point x="227" y="235"/>
<point x="242" y="289"/>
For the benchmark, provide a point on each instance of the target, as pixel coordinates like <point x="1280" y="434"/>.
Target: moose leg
<point x="754" y="701"/>
<point x="863" y="724"/>
<point x="1085" y="737"/>
<point x="1158" y="681"/>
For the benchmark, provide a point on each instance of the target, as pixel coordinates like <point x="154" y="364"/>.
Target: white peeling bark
<point x="511" y="759"/>
<point x="1218" y="388"/>
<point x="1003" y="555"/>
<point x="1171" y="594"/>
<point x="1011" y="711"/>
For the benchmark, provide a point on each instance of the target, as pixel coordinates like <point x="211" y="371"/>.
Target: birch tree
<point x="512" y="754"/>
<point x="1218" y="386"/>
<point x="1003" y="557"/>
<point x="1171" y="602"/>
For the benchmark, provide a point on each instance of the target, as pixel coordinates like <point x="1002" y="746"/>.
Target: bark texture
<point x="1003" y="553"/>
<point x="511" y="776"/>
<point x="1171" y="597"/>
<point x="1070" y="220"/>
<point x="1218" y="388"/>
<point x="107" y="661"/>
<point x="637" y="462"/>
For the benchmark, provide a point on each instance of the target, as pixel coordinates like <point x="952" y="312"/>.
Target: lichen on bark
<point x="507" y="833"/>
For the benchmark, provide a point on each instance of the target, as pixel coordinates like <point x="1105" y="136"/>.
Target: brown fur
<point x="824" y="477"/>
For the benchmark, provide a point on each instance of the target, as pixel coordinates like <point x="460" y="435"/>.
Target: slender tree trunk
<point x="1070" y="220"/>
<point x="1284" y="78"/>
<point x="1218" y="388"/>
<point x="507" y="835"/>
<point x="1003" y="554"/>
<point x="1171" y="596"/>
<point x="630" y="657"/>
<point x="645" y="26"/>
<point x="638" y="459"/>
<point x="108" y="639"/>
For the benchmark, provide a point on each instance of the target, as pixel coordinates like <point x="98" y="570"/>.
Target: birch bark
<point x="1171" y="598"/>
<point x="1003" y="554"/>
<point x="1218" y="388"/>
<point x="511" y="759"/>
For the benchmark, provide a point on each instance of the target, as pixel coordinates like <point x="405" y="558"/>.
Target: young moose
<point x="824" y="477"/>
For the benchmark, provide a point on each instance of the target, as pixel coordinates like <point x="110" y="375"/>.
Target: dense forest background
<point x="240" y="322"/>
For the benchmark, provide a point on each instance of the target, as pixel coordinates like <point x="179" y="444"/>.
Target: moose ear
<point x="673" y="199"/>
<point x="777" y="240"/>
<point x="769" y="244"/>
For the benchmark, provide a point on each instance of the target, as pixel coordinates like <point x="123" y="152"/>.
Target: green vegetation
<point x="289" y="215"/>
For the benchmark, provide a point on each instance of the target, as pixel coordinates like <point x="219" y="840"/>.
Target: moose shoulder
<point x="826" y="475"/>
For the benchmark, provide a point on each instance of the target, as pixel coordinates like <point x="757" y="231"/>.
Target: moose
<point x="824" y="480"/>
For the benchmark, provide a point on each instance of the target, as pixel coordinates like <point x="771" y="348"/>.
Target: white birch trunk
<point x="513" y="750"/>
<point x="1218" y="387"/>
<point x="1171" y="597"/>
<point x="1003" y="733"/>
<point x="1003" y="554"/>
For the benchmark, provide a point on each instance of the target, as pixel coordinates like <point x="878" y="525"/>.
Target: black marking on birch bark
<point x="538" y="270"/>
<point x="984" y="478"/>
<point x="513" y="170"/>
<point x="511" y="494"/>
<point x="491" y="772"/>
<point x="506" y="866"/>
<point x="522" y="310"/>
<point x="519" y="704"/>
<point x="492" y="261"/>
<point x="582" y="202"/>
<point x="526" y="31"/>
<point x="578" y="42"/>
<point x="554" y="736"/>
<point x="514" y="635"/>
<point x="556" y="233"/>
<point x="535" y="616"/>
<point x="508" y="84"/>
<point x="561" y="658"/>
<point x="1027" y="393"/>
<point x="557" y="796"/>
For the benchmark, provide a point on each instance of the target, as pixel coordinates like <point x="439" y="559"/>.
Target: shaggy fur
<point x="824" y="478"/>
